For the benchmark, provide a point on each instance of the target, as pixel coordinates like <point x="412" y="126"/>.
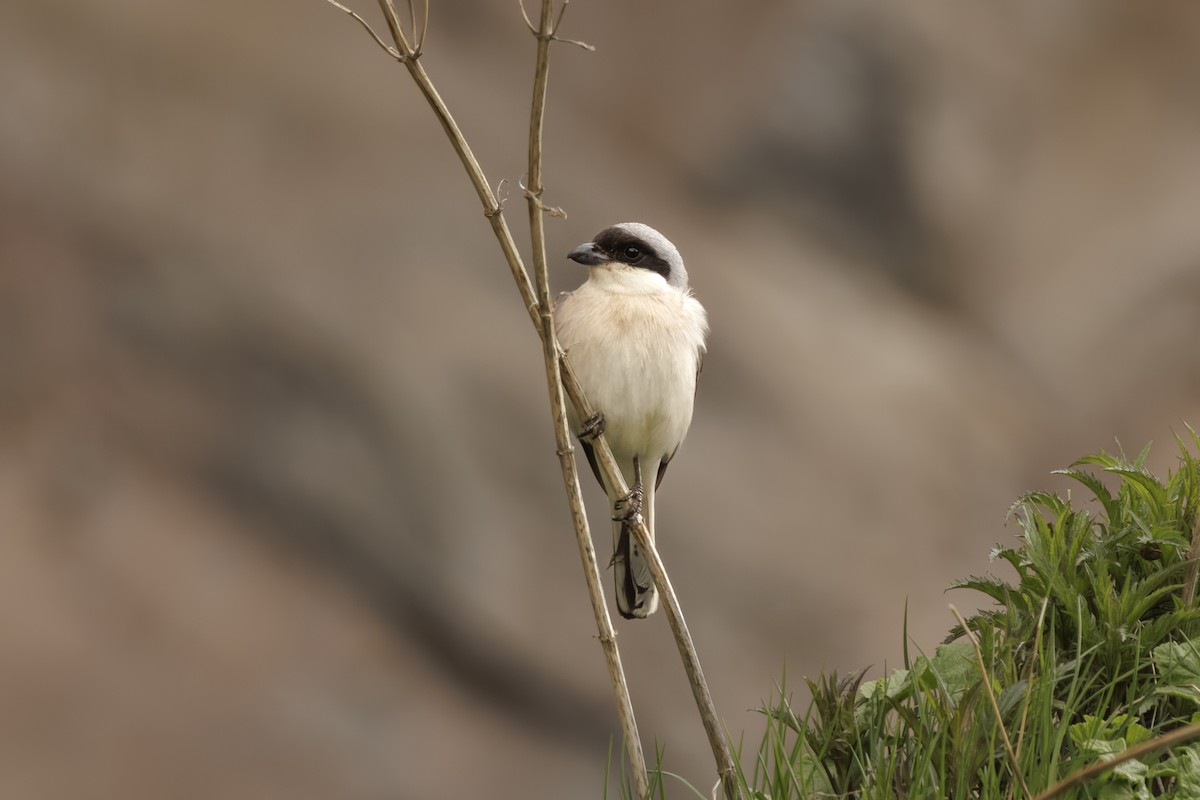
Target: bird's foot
<point x="629" y="506"/>
<point x="593" y="426"/>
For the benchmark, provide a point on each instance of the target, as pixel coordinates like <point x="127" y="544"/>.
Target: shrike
<point x="635" y="336"/>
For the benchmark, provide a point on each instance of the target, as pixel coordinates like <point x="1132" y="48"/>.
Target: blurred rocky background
<point x="279" y="509"/>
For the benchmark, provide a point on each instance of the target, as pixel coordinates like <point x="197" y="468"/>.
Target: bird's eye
<point x="632" y="253"/>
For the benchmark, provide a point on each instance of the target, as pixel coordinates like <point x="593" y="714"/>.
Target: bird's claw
<point x="629" y="506"/>
<point x="593" y="426"/>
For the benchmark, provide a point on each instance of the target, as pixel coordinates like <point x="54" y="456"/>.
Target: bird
<point x="635" y="337"/>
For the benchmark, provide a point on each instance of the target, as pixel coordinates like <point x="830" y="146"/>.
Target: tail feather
<point x="636" y="596"/>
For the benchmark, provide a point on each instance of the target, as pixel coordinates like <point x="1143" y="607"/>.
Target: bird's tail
<point x="636" y="595"/>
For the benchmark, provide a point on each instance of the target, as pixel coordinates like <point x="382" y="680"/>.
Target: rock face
<point x="275" y="464"/>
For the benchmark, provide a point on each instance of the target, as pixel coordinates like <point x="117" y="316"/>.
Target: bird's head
<point x="632" y="245"/>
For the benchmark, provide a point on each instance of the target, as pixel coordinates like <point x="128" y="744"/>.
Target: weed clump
<point x="1092" y="649"/>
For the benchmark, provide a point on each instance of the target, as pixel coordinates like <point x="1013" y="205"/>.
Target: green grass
<point x="1092" y="647"/>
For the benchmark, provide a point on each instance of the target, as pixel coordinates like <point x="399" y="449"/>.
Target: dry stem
<point x="538" y="306"/>
<point x="562" y="433"/>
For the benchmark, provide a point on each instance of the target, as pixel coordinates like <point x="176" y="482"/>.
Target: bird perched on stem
<point x="635" y="336"/>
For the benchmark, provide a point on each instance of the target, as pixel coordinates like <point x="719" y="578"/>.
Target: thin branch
<point x="528" y="22"/>
<point x="424" y="27"/>
<point x="991" y="694"/>
<point x="614" y="481"/>
<point x="562" y="10"/>
<point x="558" y="406"/>
<point x="391" y="51"/>
<point x="397" y="30"/>
<point x="554" y="211"/>
<point x="558" y="23"/>
<point x="576" y="42"/>
<point x="563" y="374"/>
<point x="726" y="770"/>
<point x="541" y="318"/>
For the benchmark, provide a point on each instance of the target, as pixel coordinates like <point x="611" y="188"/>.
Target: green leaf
<point x="1135" y="733"/>
<point x="1100" y="459"/>
<point x="1187" y="773"/>
<point x="1178" y="665"/>
<point x="1048" y="500"/>
<point x="953" y="667"/>
<point x="1011" y="697"/>
<point x="1133" y="772"/>
<point x="989" y="585"/>
<point x="814" y="781"/>
<point x="1094" y="485"/>
<point x="1140" y="479"/>
<point x="1141" y="457"/>
<point x="896" y="685"/>
<point x="1127" y="779"/>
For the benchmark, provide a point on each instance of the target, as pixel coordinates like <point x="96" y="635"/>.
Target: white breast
<point x="635" y="344"/>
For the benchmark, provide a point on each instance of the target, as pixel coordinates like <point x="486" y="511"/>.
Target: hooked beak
<point x="587" y="254"/>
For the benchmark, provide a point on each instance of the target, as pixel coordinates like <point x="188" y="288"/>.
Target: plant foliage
<point x="1092" y="648"/>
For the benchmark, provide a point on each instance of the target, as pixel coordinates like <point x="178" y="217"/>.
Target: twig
<point x="590" y="48"/>
<point x="397" y="30"/>
<point x="424" y="26"/>
<point x="528" y="22"/>
<point x="614" y="481"/>
<point x="391" y="51"/>
<point x="691" y="661"/>
<point x="564" y="376"/>
<point x="553" y="29"/>
<point x="533" y="197"/>
<point x="1093" y="770"/>
<point x="554" y="37"/>
<point x="562" y="433"/>
<point x="987" y="685"/>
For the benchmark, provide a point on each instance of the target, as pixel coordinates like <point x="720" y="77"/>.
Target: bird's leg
<point x="593" y="426"/>
<point x="630" y="505"/>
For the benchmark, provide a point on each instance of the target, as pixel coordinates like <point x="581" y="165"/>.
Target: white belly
<point x="636" y="356"/>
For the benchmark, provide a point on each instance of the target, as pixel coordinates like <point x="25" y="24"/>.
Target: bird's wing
<point x="662" y="467"/>
<point x="591" y="457"/>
